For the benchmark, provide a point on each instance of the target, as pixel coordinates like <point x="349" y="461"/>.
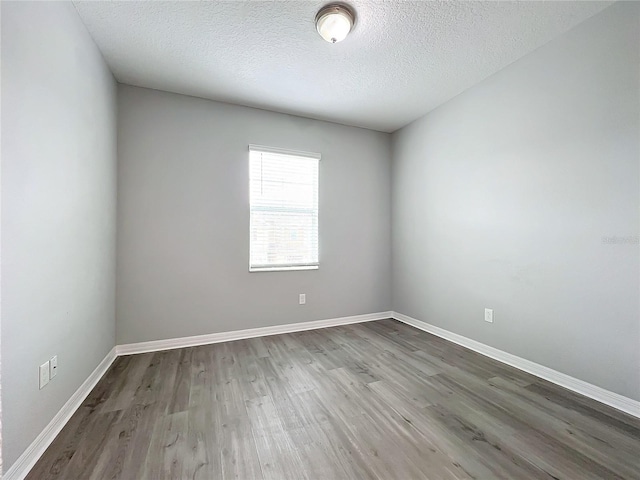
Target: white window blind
<point x="283" y="188"/>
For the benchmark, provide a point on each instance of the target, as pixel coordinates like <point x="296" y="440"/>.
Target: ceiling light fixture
<point x="334" y="22"/>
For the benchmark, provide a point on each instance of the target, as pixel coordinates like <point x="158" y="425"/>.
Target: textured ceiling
<point x="402" y="60"/>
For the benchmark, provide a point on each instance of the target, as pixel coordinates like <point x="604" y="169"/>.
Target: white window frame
<point x="295" y="153"/>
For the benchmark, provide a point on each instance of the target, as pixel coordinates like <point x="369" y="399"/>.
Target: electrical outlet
<point x="44" y="375"/>
<point x="53" y="366"/>
<point x="303" y="298"/>
<point x="488" y="315"/>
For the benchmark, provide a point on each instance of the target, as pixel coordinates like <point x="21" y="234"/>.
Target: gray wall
<point x="502" y="196"/>
<point x="183" y="219"/>
<point x="58" y="212"/>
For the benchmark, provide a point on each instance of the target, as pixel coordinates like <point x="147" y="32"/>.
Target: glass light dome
<point x="334" y="22"/>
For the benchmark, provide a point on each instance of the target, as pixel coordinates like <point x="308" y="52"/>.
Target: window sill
<point x="283" y="269"/>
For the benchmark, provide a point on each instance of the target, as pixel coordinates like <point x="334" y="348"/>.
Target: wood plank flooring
<point x="377" y="400"/>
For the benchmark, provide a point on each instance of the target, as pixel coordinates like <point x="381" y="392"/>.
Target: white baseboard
<point x="30" y="456"/>
<point x="620" y="402"/>
<point x="27" y="460"/>
<point x="171" y="343"/>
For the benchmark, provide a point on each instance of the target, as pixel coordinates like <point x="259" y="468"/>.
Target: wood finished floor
<point x="374" y="400"/>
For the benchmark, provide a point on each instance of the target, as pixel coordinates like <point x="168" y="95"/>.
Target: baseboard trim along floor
<point x="32" y="454"/>
<point x="27" y="460"/>
<point x="620" y="402"/>
<point x="182" y="342"/>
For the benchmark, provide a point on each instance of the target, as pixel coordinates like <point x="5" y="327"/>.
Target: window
<point x="283" y="189"/>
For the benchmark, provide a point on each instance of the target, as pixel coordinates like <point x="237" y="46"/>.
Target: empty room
<point x="312" y="240"/>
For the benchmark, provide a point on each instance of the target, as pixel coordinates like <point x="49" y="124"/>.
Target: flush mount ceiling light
<point x="334" y="22"/>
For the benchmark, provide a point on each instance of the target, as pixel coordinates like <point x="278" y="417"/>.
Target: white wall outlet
<point x="488" y="315"/>
<point x="44" y="374"/>
<point x="302" y="299"/>
<point x="53" y="366"/>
